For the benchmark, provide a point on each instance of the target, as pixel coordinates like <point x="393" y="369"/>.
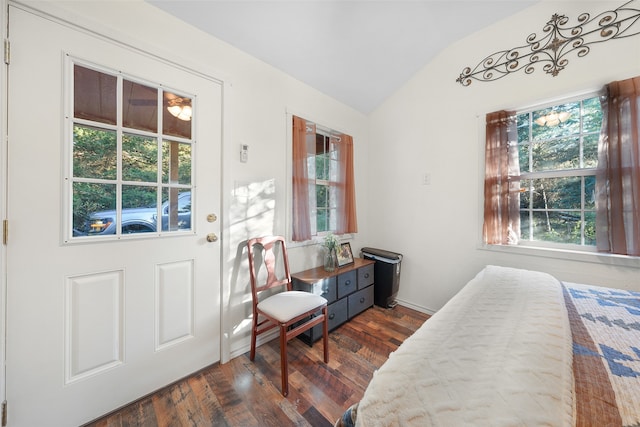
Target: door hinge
<point x="7" y="51"/>
<point x="4" y="413"/>
<point x="5" y="231"/>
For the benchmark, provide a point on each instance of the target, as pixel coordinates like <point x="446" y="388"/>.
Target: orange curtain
<point x="501" y="182"/>
<point x="618" y="175"/>
<point x="301" y="213"/>
<point x="346" y="206"/>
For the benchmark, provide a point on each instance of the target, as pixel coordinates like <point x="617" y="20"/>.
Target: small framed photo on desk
<point x="345" y="256"/>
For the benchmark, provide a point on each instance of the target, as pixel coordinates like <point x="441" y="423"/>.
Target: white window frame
<point x="544" y="250"/>
<point x="580" y="172"/>
<point x="68" y="179"/>
<point x="317" y="238"/>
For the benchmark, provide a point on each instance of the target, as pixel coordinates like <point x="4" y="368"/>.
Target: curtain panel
<point x="618" y="174"/>
<point x="300" y="187"/>
<point x="346" y="206"/>
<point x="501" y="182"/>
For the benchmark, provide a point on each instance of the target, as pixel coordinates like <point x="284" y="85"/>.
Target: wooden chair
<point x="291" y="311"/>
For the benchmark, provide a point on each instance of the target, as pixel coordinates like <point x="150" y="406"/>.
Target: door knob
<point x="211" y="237"/>
<point x="212" y="218"/>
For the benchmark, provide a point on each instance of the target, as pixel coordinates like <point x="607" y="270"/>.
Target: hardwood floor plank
<point x="245" y="393"/>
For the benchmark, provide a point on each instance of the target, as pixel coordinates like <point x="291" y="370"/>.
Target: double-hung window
<point x="567" y="174"/>
<point x="323" y="188"/>
<point x="558" y="156"/>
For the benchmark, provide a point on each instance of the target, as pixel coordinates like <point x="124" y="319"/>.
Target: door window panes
<point x="127" y="178"/>
<point x="139" y="106"/>
<point x="176" y="162"/>
<point x="95" y="152"/>
<point x="94" y="95"/>
<point x="176" y="115"/>
<point x="139" y="158"/>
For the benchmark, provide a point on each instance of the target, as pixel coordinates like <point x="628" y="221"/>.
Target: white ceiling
<point x="356" y="51"/>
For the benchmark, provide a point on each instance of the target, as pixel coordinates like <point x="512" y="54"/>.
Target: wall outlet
<point x="426" y="178"/>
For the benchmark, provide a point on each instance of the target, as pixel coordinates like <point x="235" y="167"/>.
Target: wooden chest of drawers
<point x="348" y="290"/>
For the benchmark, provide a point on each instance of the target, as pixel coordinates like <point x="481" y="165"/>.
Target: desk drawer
<point x="360" y="301"/>
<point x="347" y="283"/>
<point x="338" y="314"/>
<point x="365" y="276"/>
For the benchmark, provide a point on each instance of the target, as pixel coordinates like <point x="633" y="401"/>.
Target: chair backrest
<point x="268" y="264"/>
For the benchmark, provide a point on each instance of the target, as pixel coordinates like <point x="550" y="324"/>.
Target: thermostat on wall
<point x="244" y="153"/>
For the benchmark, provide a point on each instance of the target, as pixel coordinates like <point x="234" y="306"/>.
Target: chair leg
<point x="284" y="365"/>
<point x="254" y="329"/>
<point x="325" y="334"/>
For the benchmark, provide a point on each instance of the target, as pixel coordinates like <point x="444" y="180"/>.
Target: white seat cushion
<point x="284" y="306"/>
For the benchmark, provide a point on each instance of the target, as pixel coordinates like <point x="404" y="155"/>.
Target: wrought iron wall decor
<point x="559" y="39"/>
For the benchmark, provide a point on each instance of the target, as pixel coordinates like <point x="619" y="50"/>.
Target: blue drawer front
<point x="347" y="283"/>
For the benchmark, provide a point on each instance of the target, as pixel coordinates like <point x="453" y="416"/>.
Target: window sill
<point x="566" y="254"/>
<point x="318" y="240"/>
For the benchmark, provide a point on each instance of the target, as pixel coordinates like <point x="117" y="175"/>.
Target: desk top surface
<point x="319" y="273"/>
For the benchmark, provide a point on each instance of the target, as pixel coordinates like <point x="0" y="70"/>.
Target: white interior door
<point x="93" y="326"/>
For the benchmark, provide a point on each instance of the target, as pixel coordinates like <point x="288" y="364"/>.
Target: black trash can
<point x="386" y="275"/>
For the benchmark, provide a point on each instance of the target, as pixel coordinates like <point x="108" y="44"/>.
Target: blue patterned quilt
<point x="605" y="324"/>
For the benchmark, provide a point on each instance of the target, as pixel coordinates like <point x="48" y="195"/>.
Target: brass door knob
<point x="211" y="237"/>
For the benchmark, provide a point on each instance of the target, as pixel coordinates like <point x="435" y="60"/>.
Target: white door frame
<point x="3" y="208"/>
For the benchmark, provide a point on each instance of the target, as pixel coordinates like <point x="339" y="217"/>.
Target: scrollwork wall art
<point x="559" y="40"/>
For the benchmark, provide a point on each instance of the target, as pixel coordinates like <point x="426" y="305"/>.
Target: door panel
<point x="93" y="326"/>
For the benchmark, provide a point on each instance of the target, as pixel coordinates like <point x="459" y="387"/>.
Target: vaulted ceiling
<point x="356" y="51"/>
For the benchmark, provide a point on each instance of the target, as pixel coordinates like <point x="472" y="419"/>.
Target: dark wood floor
<point x="244" y="393"/>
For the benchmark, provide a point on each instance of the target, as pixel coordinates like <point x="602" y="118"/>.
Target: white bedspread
<point x="498" y="354"/>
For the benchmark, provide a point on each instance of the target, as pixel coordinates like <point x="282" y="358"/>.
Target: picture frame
<point x="344" y="255"/>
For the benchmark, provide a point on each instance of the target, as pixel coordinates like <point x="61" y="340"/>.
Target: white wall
<point x="434" y="125"/>
<point x="429" y="126"/>
<point x="257" y="98"/>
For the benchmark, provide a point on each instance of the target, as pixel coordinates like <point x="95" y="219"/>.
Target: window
<point x="558" y="156"/>
<point x="323" y="183"/>
<point x="131" y="153"/>
<point x="567" y="174"/>
<point x="324" y="166"/>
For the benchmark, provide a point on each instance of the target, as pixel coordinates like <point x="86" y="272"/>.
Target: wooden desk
<point x="348" y="290"/>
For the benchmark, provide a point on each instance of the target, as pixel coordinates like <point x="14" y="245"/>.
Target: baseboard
<point x="266" y="337"/>
<point x="415" y="307"/>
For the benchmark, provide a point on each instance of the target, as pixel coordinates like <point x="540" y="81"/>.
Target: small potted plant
<point x="331" y="243"/>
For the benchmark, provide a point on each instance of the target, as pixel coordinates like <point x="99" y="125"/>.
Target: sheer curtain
<point x="303" y="175"/>
<point x="618" y="175"/>
<point x="346" y="200"/>
<point x="501" y="182"/>
<point x="301" y="212"/>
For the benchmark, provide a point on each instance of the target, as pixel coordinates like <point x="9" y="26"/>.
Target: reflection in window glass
<point x="176" y="115"/>
<point x="139" y="106"/>
<point x="94" y="95"/>
<point x="176" y="209"/>
<point x="94" y="153"/>
<point x="139" y="158"/>
<point x="139" y="209"/>
<point x="93" y="208"/>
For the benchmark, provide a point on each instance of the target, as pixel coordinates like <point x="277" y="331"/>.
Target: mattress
<point x="514" y="348"/>
<point x="498" y="354"/>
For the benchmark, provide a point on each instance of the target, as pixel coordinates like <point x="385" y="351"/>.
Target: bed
<point x="514" y="348"/>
